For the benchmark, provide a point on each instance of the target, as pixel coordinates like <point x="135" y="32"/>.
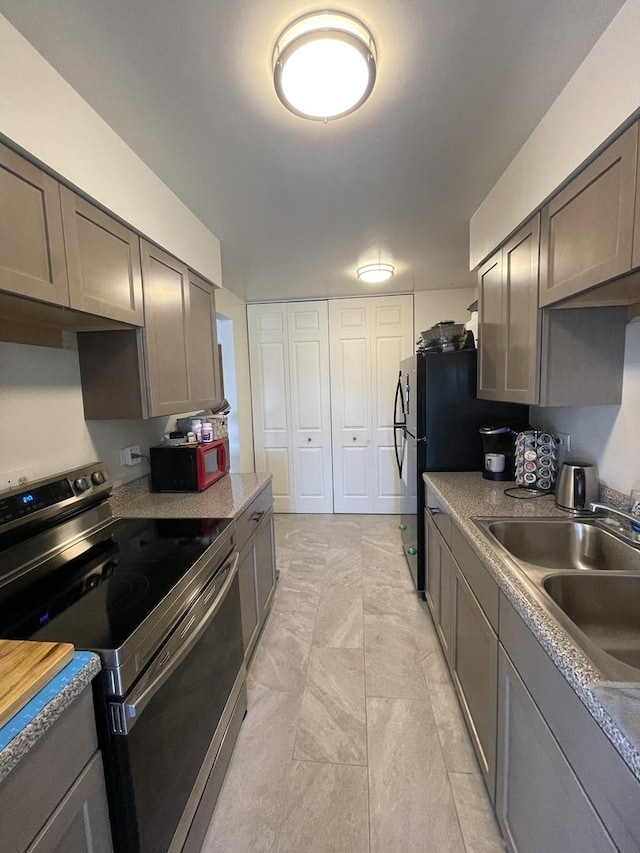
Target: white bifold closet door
<point x="368" y="339"/>
<point x="289" y="354"/>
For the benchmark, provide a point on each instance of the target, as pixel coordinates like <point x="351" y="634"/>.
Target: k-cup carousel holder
<point x="536" y="460"/>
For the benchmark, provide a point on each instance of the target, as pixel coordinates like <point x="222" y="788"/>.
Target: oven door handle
<point x="124" y="715"/>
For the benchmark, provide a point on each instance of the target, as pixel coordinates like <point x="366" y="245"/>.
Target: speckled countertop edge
<point x="468" y="496"/>
<point x="21" y="744"/>
<point x="224" y="499"/>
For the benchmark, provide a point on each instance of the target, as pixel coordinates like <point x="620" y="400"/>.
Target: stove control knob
<point x="82" y="484"/>
<point x="98" y="478"/>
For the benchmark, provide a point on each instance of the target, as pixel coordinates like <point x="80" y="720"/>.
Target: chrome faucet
<point x="624" y="531"/>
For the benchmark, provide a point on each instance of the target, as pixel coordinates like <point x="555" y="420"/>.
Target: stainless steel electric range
<point x="159" y="602"/>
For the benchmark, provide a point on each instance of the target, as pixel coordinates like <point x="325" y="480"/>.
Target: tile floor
<point x="353" y="740"/>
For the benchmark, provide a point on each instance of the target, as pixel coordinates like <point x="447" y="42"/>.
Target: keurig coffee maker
<point x="498" y="449"/>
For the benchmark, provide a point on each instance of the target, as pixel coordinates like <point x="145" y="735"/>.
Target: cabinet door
<point x="432" y="567"/>
<point x="475" y="674"/>
<point x="587" y="228"/>
<point x="205" y="387"/>
<point x="248" y="599"/>
<point x="308" y="342"/>
<point x="270" y="399"/>
<point x="81" y="821"/>
<point x="540" y="803"/>
<point x="32" y="261"/>
<point x="166" y="334"/>
<point x="265" y="564"/>
<point x="521" y="324"/>
<point x="351" y="418"/>
<point x="103" y="262"/>
<point x="491" y="355"/>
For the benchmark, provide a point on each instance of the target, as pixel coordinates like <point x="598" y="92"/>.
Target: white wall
<point x="42" y="424"/>
<point x="608" y="435"/>
<point x="431" y="306"/>
<point x="601" y="95"/>
<point x="40" y="112"/>
<point x="229" y="306"/>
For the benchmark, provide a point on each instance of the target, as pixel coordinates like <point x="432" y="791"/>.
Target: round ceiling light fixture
<point x="375" y="273"/>
<point x="324" y="65"/>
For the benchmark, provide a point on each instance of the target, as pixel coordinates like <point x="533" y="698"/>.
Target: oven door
<point x="164" y="736"/>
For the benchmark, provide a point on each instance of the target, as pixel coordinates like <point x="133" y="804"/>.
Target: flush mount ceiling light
<point x="375" y="273"/>
<point x="324" y="65"/>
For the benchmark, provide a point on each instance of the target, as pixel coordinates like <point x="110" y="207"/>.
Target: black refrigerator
<point x="436" y="421"/>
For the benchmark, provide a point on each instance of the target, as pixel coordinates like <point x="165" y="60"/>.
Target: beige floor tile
<point x="392" y="658"/>
<point x="298" y="589"/>
<point x="339" y="619"/>
<point x="411" y="804"/>
<point x="249" y="808"/>
<point x="326" y="810"/>
<point x="452" y="731"/>
<point x="479" y="827"/>
<point x="332" y="724"/>
<point x="282" y="654"/>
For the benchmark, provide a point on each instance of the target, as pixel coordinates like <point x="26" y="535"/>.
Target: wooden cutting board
<point x="25" y="667"/>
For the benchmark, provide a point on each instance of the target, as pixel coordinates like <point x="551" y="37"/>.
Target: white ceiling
<point x="298" y="205"/>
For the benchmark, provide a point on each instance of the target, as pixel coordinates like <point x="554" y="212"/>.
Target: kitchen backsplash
<point x="606" y="435"/>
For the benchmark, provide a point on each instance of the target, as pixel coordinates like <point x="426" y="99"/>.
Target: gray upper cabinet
<point x="166" y="309"/>
<point x="508" y="314"/>
<point x="169" y="366"/>
<point x="587" y="228"/>
<point x="202" y="343"/>
<point x="103" y="262"/>
<point x="32" y="261"/>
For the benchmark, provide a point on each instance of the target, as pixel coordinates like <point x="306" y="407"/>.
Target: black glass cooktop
<point x="100" y="596"/>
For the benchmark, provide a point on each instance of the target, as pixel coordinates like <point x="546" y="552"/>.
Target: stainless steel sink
<point x="563" y="544"/>
<point x="585" y="577"/>
<point x="604" y="607"/>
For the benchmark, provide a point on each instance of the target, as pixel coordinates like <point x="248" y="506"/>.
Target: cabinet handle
<point x="434" y="510"/>
<point x="257" y="516"/>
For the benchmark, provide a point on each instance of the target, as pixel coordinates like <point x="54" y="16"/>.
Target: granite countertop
<point x="28" y="725"/>
<point x="615" y="707"/>
<point x="224" y="499"/>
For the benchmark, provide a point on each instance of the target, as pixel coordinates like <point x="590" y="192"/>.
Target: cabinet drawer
<point x="483" y="585"/>
<point x="439" y="514"/>
<point x="249" y="520"/>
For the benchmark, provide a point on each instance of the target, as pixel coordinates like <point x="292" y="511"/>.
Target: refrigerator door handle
<point x="399" y="450"/>
<point x="400" y="398"/>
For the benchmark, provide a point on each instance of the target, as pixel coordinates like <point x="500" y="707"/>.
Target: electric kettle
<point x="577" y="486"/>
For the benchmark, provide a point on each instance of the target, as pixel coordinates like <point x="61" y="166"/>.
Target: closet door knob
<point x="354" y="438"/>
<point x="309" y="439"/>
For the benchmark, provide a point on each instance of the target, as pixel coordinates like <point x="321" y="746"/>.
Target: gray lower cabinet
<point x="256" y="565"/>
<point x="540" y="804"/>
<point x="55" y="798"/>
<point x="463" y="600"/>
<point x="439" y="585"/>
<point x="475" y="672"/>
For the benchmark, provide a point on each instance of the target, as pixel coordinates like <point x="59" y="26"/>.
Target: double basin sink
<point x="586" y="578"/>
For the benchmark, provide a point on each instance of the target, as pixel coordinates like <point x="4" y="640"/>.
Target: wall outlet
<point x="15" y="479"/>
<point x="126" y="457"/>
<point x="564" y="441"/>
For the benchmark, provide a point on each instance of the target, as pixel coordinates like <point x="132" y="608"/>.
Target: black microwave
<point x="188" y="467"/>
